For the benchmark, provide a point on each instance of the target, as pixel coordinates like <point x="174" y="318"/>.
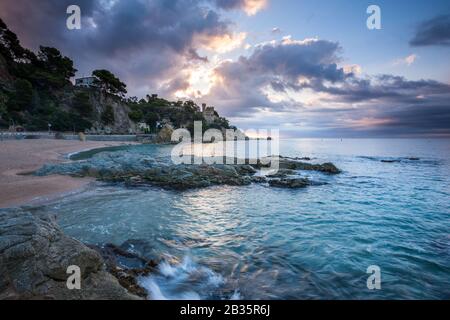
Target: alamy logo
<point x="227" y="147"/>
<point x="374" y="20"/>
<point x="74" y="20"/>
<point x="74" y="280"/>
<point x="374" y="280"/>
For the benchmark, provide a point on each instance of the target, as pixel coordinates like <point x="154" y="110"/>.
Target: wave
<point x="185" y="281"/>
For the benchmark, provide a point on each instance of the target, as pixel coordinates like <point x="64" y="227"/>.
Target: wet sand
<point x="19" y="157"/>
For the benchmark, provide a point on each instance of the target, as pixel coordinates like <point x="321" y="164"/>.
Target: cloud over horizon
<point x="300" y="85"/>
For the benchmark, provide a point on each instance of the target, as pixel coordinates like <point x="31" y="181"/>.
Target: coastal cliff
<point x="40" y="91"/>
<point x="35" y="255"/>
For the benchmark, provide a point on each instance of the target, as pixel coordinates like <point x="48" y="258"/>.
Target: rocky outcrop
<point x="165" y="135"/>
<point x="298" y="165"/>
<point x="35" y="255"/>
<point x="122" y="122"/>
<point x="297" y="183"/>
<point x="126" y="266"/>
<point x="136" y="170"/>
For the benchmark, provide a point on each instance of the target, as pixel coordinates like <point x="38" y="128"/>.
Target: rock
<point x="82" y="137"/>
<point x="126" y="266"/>
<point x="295" y="183"/>
<point x="35" y="255"/>
<point x="390" y="161"/>
<point x="282" y="173"/>
<point x="298" y="165"/>
<point x="414" y="159"/>
<point x="297" y="158"/>
<point x="59" y="136"/>
<point x="135" y="170"/>
<point x="165" y="135"/>
<point x="258" y="179"/>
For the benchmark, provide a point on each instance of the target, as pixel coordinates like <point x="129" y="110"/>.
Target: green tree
<point x="151" y="118"/>
<point x="10" y="46"/>
<point x="3" y="104"/>
<point x="136" y="115"/>
<point x="109" y="82"/>
<point x="21" y="97"/>
<point x="53" y="69"/>
<point x="108" y="115"/>
<point x="53" y="61"/>
<point x="65" y="121"/>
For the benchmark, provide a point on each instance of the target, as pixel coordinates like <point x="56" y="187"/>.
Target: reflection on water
<point x="255" y="242"/>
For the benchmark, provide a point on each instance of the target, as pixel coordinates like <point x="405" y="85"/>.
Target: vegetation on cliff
<point x="36" y="90"/>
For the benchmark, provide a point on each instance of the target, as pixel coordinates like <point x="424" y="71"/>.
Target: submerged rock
<point x="127" y="267"/>
<point x="282" y="173"/>
<point x="297" y="158"/>
<point x="390" y="161"/>
<point x="136" y="170"/>
<point x="35" y="255"/>
<point x="298" y="165"/>
<point x="290" y="183"/>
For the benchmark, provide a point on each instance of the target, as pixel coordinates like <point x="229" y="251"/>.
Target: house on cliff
<point x="86" y="82"/>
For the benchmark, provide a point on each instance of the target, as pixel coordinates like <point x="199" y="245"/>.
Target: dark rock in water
<point x="137" y="170"/>
<point x="400" y="160"/>
<point x="282" y="173"/>
<point x="297" y="165"/>
<point x="297" y="158"/>
<point x="35" y="255"/>
<point x="141" y="248"/>
<point x="115" y="256"/>
<point x="390" y="161"/>
<point x="290" y="183"/>
<point x="258" y="179"/>
<point x="126" y="266"/>
<point x="128" y="278"/>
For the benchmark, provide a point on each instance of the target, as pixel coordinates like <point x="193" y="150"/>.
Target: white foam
<point x="166" y="284"/>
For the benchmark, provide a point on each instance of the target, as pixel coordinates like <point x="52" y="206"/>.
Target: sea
<point x="388" y="211"/>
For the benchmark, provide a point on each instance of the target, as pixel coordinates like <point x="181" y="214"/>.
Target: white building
<point x="85" y="82"/>
<point x="143" y="127"/>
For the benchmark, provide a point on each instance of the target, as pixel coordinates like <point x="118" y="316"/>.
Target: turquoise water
<point x="257" y="242"/>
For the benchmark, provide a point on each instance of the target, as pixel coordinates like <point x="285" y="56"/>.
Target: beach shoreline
<point x="19" y="158"/>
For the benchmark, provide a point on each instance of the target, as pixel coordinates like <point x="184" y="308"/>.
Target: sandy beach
<point x="18" y="157"/>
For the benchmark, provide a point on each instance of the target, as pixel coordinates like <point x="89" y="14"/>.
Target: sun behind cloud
<point x="252" y="7"/>
<point x="223" y="43"/>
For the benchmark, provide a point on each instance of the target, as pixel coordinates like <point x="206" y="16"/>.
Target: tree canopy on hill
<point x="108" y="81"/>
<point x="10" y="46"/>
<point x="30" y="96"/>
<point x="35" y="90"/>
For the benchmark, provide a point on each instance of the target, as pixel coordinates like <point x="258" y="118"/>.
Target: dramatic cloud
<point x="433" y="32"/>
<point x="299" y="86"/>
<point x="145" y="42"/>
<point x="272" y="69"/>
<point x="251" y="7"/>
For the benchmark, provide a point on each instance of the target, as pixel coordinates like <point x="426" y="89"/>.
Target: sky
<point x="310" y="68"/>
